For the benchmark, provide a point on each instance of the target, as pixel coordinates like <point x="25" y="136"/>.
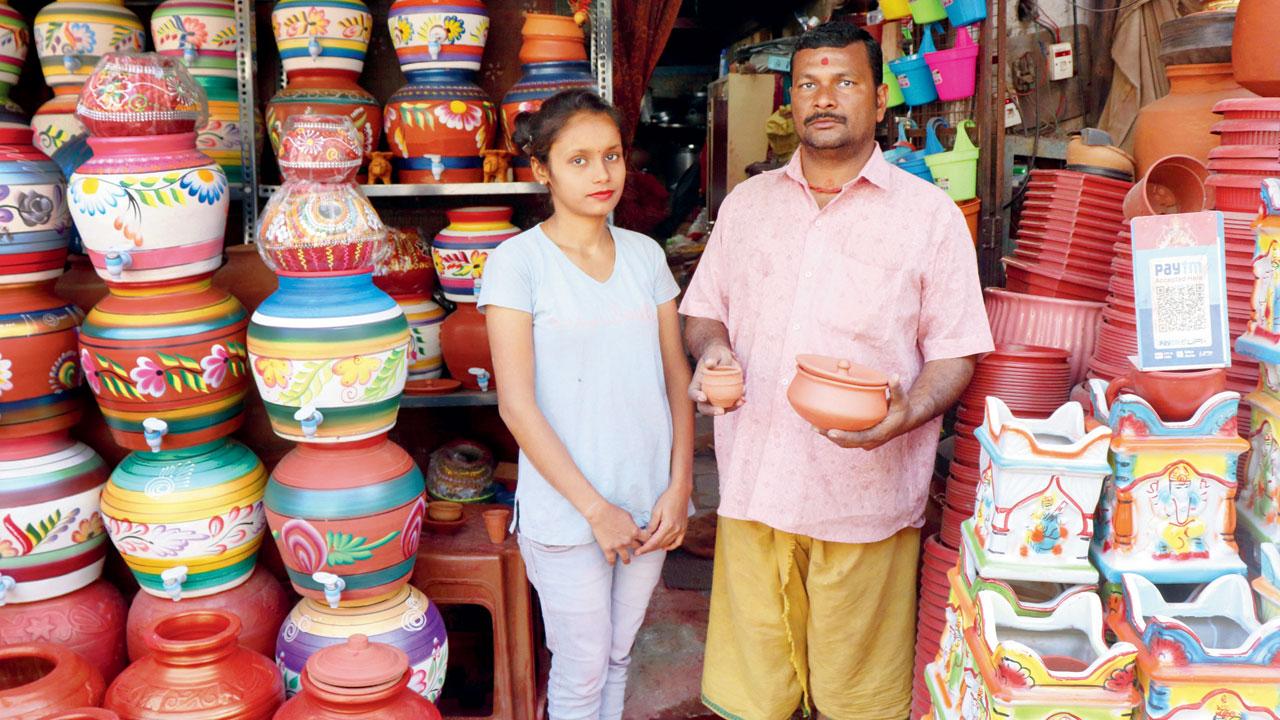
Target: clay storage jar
<point x="39" y="365"/>
<point x="832" y="393"/>
<point x="464" y="341"/>
<point x="33" y="210"/>
<point x="460" y="249"/>
<point x="358" y="678"/>
<point x="90" y="621"/>
<point x="37" y="679"/>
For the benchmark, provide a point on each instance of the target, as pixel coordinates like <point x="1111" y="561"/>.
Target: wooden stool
<point x="466" y="569"/>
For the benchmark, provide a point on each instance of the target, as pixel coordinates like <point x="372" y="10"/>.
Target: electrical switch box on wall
<point x="1062" y="63"/>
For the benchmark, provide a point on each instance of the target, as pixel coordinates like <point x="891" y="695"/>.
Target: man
<point x="838" y="254"/>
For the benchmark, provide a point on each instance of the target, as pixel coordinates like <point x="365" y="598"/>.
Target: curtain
<point x="1138" y="78"/>
<point x="640" y="32"/>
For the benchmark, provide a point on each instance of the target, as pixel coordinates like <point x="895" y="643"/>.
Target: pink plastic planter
<point x="1071" y="325"/>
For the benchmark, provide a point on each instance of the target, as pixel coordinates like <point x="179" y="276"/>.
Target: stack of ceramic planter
<point x="330" y="355"/>
<point x="202" y="33"/>
<point x="70" y="37"/>
<point x="407" y="274"/>
<point x="322" y="45"/>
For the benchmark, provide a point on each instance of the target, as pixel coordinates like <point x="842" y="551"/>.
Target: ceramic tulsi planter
<point x="437" y="127"/>
<point x="835" y="394"/>
<point x="347" y="518"/>
<point x="357" y="677"/>
<point x="460" y="250"/>
<point x="202" y="33"/>
<point x="39" y="366"/>
<point x="34" y="217"/>
<point x="41" y="678"/>
<point x="438" y="34"/>
<point x="89" y="621"/>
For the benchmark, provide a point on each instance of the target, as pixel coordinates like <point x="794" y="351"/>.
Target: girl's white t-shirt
<point x="598" y="374"/>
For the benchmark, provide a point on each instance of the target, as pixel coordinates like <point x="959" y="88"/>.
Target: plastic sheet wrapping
<point x="141" y="94"/>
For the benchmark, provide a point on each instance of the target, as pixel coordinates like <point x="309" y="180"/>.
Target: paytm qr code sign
<point x="1180" y="302"/>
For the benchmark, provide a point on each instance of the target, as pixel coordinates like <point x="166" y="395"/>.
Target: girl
<point x="593" y="379"/>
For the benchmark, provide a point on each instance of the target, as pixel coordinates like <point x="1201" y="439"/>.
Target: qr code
<point x="1180" y="308"/>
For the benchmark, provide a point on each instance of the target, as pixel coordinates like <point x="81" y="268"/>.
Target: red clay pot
<point x="465" y="344"/>
<point x="1253" y="46"/>
<point x="38" y="344"/>
<point x="357" y="679"/>
<point x="1174" y="394"/>
<point x="1178" y="123"/>
<point x="89" y="621"/>
<point x="722" y="386"/>
<point x="41" y="678"/>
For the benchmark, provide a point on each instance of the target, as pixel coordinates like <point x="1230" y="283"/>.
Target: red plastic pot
<point x="1173" y="184"/>
<point x="1248" y="132"/>
<point x="1236" y="193"/>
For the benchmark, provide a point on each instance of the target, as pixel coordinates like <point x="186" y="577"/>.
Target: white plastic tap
<point x="153" y="431"/>
<point x="118" y="259"/>
<point x="333" y="586"/>
<point x="482" y="378"/>
<point x="173" y="579"/>
<point x="310" y="418"/>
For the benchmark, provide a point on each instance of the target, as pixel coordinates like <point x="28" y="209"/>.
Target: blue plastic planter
<point x="965" y="12"/>
<point x="914" y="76"/>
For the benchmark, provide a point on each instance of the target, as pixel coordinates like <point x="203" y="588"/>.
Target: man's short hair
<point x="841" y="34"/>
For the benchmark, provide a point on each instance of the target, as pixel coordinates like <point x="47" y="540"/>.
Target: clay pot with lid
<point x="37" y="679"/>
<point x="1175" y="395"/>
<point x="722" y="386"/>
<point x="357" y="679"/>
<point x="836" y="394"/>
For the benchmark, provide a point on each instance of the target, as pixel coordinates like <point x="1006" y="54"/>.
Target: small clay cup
<point x="1175" y="395"/>
<point x="444" y="511"/>
<point x="495" y="523"/>
<point x="722" y="386"/>
<point x="835" y="394"/>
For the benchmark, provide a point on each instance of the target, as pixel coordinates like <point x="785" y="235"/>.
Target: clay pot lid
<point x="842" y="371"/>
<point x="357" y="667"/>
<point x="1247" y="104"/>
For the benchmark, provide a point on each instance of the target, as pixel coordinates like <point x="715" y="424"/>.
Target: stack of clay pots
<point x="330" y="353"/>
<point x="71" y="36"/>
<point x="408" y="275"/>
<point x="15" y="40"/>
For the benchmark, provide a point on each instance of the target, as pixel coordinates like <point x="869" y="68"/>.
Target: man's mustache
<point x="825" y="116"/>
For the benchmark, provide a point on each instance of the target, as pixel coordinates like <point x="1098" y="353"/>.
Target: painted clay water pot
<point x="836" y="394"/>
<point x="406" y="620"/>
<point x="346" y="518"/>
<point x="37" y="679"/>
<point x="90" y="621"/>
<point x="197" y="669"/>
<point x="188" y="522"/>
<point x="358" y="678"/>
<point x="71" y="37"/>
<point x="260" y="602"/>
<point x="221" y="136"/>
<point x="438" y="127"/>
<point x="169" y="352"/>
<point x="1175" y="394"/>
<point x="148" y="94"/>
<point x="407" y="267"/>
<point x="15" y="40"/>
<point x="460" y="250"/>
<point x="425" y="318"/>
<point x="1252" y="54"/>
<point x="722" y="386"/>
<point x="438" y="34"/>
<point x="1178" y="123"/>
<point x="330" y="356"/>
<point x="34" y="218"/>
<point x="51" y="537"/>
<point x="59" y="133"/>
<point x="150" y="208"/>
<point x="201" y="33"/>
<point x="538" y="82"/>
<point x="39" y="367"/>
<point x="329" y="94"/>
<point x="464" y="342"/>
<point x="321" y="37"/>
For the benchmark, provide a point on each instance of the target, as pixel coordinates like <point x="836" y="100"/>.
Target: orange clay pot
<point x="834" y="394"/>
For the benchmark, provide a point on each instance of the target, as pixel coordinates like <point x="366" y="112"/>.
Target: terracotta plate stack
<point x="1066" y="234"/>
<point x="1249" y="152"/>
<point x="931" y="617"/>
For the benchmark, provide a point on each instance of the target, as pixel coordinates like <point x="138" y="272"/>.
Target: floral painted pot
<point x="42" y="678"/>
<point x="460" y="250"/>
<point x="202" y="33"/>
<point x="221" y="137"/>
<point x="337" y="94"/>
<point x="89" y="621"/>
<point x="150" y="209"/>
<point x="438" y="34"/>
<point x="260" y="602"/>
<point x="437" y="127"/>
<point x="59" y="133"/>
<point x="316" y="36"/>
<point x="71" y="36"/>
<point x="425" y="318"/>
<point x="335" y="348"/>
<point x="347" y="518"/>
<point x="406" y="620"/>
<point x="464" y="342"/>
<point x="131" y="95"/>
<point x="539" y="81"/>
<point x="197" y="669"/>
<point x="173" y="353"/>
<point x="51" y="536"/>
<point x="15" y="40"/>
<point x="188" y="522"/>
<point x="34" y="218"/>
<point x="39" y="368"/>
<point x="360" y="678"/>
<point x="407" y="267"/>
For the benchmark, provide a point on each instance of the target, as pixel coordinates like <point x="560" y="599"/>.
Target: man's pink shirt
<point x="886" y="276"/>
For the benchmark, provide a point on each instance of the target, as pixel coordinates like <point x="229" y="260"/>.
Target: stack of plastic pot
<point x="330" y="354"/>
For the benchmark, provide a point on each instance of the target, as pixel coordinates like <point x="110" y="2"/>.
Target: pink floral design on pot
<point x="305" y="545"/>
<point x="412" y="533"/>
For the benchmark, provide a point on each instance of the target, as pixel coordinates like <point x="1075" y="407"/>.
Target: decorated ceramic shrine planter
<point x="197" y="669"/>
<point x="464" y="342"/>
<point x="188" y="522"/>
<point x="34" y="218"/>
<point x="438" y="127"/>
<point x="407" y="267"/>
<point x="201" y="33"/>
<point x="330" y="357"/>
<point x="328" y="36"/>
<point x="43" y="678"/>
<point x="1206" y="658"/>
<point x="1267" y="584"/>
<point x="130" y="95"/>
<point x="461" y="248"/>
<point x="1258" y="500"/>
<point x="1168" y="512"/>
<point x="1262" y="336"/>
<point x="406" y="620"/>
<point x="167" y="363"/>
<point x="1038" y="493"/>
<point x="425" y="318"/>
<point x="150" y="208"/>
<point x="89" y="621"/>
<point x="357" y="678"/>
<point x="347" y="518"/>
<point x="40" y="373"/>
<point x="51" y="536"/>
<point x="333" y="94"/>
<point x="438" y="34"/>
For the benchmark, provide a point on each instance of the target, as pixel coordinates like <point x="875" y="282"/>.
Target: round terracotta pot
<point x="261" y="603"/>
<point x="835" y="394"/>
<point x="33" y="209"/>
<point x="722" y="386"/>
<point x="357" y="678"/>
<point x="444" y="34"/>
<point x="37" y="679"/>
<point x="336" y="94"/>
<point x="464" y="340"/>
<point x="461" y="248"/>
<point x="551" y="38"/>
<point x="1252" y="47"/>
<point x="1179" y="123"/>
<point x="352" y="510"/>
<point x="40" y="373"/>
<point x="197" y="668"/>
<point x="1175" y="395"/>
<point x="90" y="621"/>
<point x="437" y="126"/>
<point x="147" y="94"/>
<point x="1173" y="184"/>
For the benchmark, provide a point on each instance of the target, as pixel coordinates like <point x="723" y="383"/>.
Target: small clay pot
<point x="37" y="679"/>
<point x="834" y="394"/>
<point x="722" y="386"/>
<point x="1175" y="395"/>
<point x="444" y="511"/>
<point x="495" y="523"/>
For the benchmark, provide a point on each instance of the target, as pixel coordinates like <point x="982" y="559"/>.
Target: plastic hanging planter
<point x="894" y="98"/>
<point x="914" y="163"/>
<point x="902" y="150"/>
<point x="965" y="12"/>
<point x="895" y="9"/>
<point x="955" y="71"/>
<point x="914" y="77"/>
<point x="957" y="171"/>
<point x="927" y="11"/>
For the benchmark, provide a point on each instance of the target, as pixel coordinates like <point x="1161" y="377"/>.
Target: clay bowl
<point x="1174" y="394"/>
<point x="722" y="386"/>
<point x="835" y="394"/>
<point x="444" y="511"/>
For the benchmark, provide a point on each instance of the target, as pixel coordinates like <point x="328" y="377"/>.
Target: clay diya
<point x="835" y="394"/>
<point x="722" y="386"/>
<point x="444" y="511"/>
<point x="1175" y="394"/>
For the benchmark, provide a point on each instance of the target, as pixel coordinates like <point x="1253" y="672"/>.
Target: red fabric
<point x="643" y="204"/>
<point x="640" y="32"/>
